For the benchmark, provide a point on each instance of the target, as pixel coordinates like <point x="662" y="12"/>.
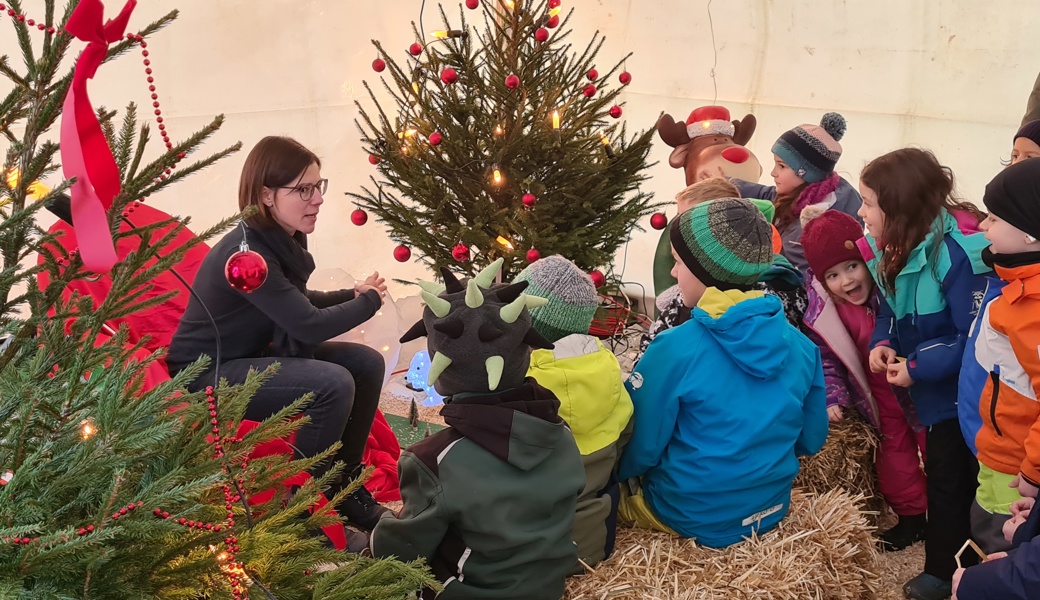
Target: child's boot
<point x="908" y="530"/>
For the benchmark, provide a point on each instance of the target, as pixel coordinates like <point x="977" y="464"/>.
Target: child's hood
<point x="749" y="326"/>
<point x="520" y="426"/>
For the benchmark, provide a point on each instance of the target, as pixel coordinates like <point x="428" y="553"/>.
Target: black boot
<point x="908" y="530"/>
<point x="360" y="508"/>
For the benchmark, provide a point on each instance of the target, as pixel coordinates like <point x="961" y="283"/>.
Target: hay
<point x="846" y="462"/>
<point x="822" y="549"/>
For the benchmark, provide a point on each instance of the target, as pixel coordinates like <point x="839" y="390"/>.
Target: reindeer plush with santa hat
<point x="709" y="144"/>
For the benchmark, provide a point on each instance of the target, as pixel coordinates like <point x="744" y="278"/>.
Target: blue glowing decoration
<point x="418" y="370"/>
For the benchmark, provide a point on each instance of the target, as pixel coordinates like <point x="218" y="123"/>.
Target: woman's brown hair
<point x="273" y="162"/>
<point x="912" y="188"/>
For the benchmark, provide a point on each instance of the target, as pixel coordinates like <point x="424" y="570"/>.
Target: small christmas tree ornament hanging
<point x="512" y="82"/>
<point x="378" y="65"/>
<point x="402" y="253"/>
<point x="449" y="76"/>
<point x="658" y="221"/>
<point x="436" y="138"/>
<point x="553" y="4"/>
<point x="597" y="278"/>
<point x="359" y="217"/>
<point x="460" y="252"/>
<point x="593" y="74"/>
<point x="533" y="255"/>
<point x="553" y="22"/>
<point x="415" y="49"/>
<point x="615" y="111"/>
<point x="541" y="34"/>
<point x="472" y="4"/>
<point x="529" y="200"/>
<point x="245" y="270"/>
<point x="372" y="158"/>
<point x="589" y="91"/>
<point x="625" y="78"/>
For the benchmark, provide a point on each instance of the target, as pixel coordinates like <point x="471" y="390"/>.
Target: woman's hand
<point x="372" y="282"/>
<point x="899" y="375"/>
<point x="881" y="357"/>
<point x="834" y="414"/>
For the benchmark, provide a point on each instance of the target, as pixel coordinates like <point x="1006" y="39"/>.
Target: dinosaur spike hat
<point x="474" y="322"/>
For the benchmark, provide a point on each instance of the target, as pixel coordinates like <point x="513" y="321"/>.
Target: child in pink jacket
<point x="840" y="319"/>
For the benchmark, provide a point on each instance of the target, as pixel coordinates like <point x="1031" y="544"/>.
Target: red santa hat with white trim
<point x="709" y="120"/>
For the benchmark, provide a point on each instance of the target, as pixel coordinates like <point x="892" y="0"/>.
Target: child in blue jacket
<point x="725" y="402"/>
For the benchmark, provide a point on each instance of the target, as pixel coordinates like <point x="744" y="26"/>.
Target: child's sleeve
<point x="941" y="357"/>
<point x="885" y="327"/>
<point x="1025" y="341"/>
<point x="755" y="190"/>
<point x="814" y="411"/>
<point x="423" y="522"/>
<point x="654" y="386"/>
<point x="1015" y="577"/>
<point x="835" y="375"/>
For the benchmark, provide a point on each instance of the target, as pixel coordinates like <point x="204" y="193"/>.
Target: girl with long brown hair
<point x="932" y="280"/>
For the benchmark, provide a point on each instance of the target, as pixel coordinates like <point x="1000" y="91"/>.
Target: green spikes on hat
<point x="725" y="243"/>
<point x="570" y="297"/>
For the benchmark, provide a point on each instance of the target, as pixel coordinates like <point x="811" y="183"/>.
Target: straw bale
<point x="822" y="549"/>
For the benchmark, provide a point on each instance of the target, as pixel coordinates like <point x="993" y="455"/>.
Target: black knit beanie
<point x="1014" y="196"/>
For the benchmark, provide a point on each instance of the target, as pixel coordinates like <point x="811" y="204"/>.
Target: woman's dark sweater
<point x="247" y="323"/>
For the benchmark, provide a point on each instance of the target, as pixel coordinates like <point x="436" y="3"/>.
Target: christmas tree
<point x="108" y="489"/>
<point x="503" y="143"/>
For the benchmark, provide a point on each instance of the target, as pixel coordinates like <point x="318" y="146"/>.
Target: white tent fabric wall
<point x="948" y="75"/>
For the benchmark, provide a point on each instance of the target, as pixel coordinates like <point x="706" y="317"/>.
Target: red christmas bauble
<point x="533" y="255"/>
<point x="402" y="253"/>
<point x="625" y="78"/>
<point x="372" y="158"/>
<point x="597" y="278"/>
<point x="615" y="111"/>
<point x="378" y="65"/>
<point x="658" y="220"/>
<point x="359" y="217"/>
<point x="435" y="138"/>
<point x="529" y="200"/>
<point x="554" y="3"/>
<point x="589" y="91"/>
<point x="449" y="75"/>
<point x="415" y="49"/>
<point x="512" y="82"/>
<point x="460" y="252"/>
<point x="541" y="34"/>
<point x="553" y="22"/>
<point x="246" y="271"/>
<point x="471" y="4"/>
<point x="592" y="74"/>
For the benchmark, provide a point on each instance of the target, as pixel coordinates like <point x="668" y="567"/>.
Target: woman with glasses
<point x="284" y="322"/>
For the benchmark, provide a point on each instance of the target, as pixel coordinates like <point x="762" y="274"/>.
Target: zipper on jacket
<point x="995" y="379"/>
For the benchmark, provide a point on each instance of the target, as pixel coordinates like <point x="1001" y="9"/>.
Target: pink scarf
<point x="815" y="193"/>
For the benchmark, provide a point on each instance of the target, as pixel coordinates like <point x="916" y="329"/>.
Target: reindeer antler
<point x="674" y="134"/>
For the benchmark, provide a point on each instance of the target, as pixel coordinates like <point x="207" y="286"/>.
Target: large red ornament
<point x="529" y="200"/>
<point x="553" y="4"/>
<point x="658" y="221"/>
<point x="402" y="253"/>
<point x="372" y="158"/>
<point x="472" y="4"/>
<point x="415" y="49"/>
<point x="359" y="217"/>
<point x="541" y="34"/>
<point x="589" y="91"/>
<point x="615" y="111"/>
<point x="533" y="255"/>
<point x="512" y="82"/>
<point x="245" y="270"/>
<point x="435" y="138"/>
<point x="625" y="78"/>
<point x="449" y="75"/>
<point x="597" y="278"/>
<point x="592" y="74"/>
<point x="553" y="22"/>
<point x="460" y="252"/>
<point x="378" y="65"/>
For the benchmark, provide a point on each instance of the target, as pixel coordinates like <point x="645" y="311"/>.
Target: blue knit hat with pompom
<point x="812" y="150"/>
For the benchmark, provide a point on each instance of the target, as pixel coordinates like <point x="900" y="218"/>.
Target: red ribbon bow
<point x="85" y="154"/>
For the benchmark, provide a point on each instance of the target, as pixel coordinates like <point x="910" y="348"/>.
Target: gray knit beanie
<point x="571" y="294"/>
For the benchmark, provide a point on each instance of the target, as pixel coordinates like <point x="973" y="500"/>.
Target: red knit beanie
<point x="830" y="239"/>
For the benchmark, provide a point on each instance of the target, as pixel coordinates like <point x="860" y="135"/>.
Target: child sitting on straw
<point x="843" y="302"/>
<point x="489" y="502"/>
<point x="586" y="377"/>
<point x="725" y="402"/>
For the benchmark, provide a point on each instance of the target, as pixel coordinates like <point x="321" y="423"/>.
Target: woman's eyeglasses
<point x="306" y="191"/>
